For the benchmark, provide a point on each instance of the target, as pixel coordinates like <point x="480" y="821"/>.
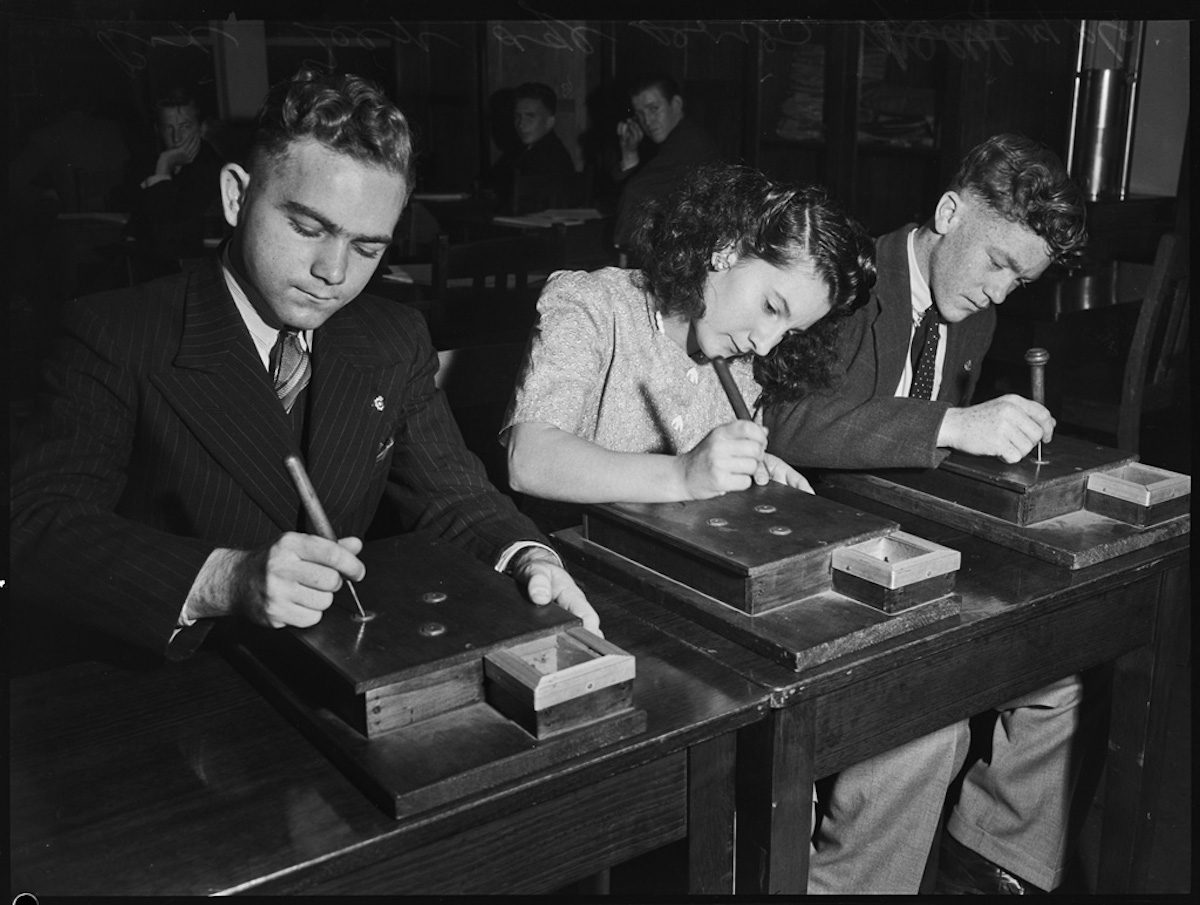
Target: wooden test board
<point x="674" y="555"/>
<point x="755" y="551"/>
<point x="1037" y="509"/>
<point x="441" y="738"/>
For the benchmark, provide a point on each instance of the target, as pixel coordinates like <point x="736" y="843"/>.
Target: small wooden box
<point x="551" y="685"/>
<point x="895" y="572"/>
<point x="755" y="550"/>
<point x="1139" y="494"/>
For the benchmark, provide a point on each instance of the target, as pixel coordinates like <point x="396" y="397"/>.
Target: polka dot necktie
<point x="290" y="367"/>
<point x="923" y="354"/>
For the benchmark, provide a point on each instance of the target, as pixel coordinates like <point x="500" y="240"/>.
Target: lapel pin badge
<point x="379" y="403"/>
<point x="967" y="366"/>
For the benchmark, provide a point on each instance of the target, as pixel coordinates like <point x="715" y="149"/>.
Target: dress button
<point x="677" y="423"/>
<point x="693" y="375"/>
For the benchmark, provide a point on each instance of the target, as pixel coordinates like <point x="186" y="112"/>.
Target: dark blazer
<point x="163" y="439"/>
<point x="859" y="422"/>
<point x="660" y="172"/>
<point x="167" y="220"/>
<point x="536" y="177"/>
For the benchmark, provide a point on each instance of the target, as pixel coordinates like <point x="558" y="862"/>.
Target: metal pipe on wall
<point x="1104" y="107"/>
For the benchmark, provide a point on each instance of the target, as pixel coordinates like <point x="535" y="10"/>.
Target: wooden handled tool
<point x="1036" y="358"/>
<point x="721" y="366"/>
<point x="316" y="514"/>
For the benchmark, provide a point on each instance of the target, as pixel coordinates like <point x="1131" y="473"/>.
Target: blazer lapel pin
<point x="378" y="403"/>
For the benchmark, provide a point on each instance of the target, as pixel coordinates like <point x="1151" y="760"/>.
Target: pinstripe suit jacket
<point x="859" y="422"/>
<point x="163" y="439"/>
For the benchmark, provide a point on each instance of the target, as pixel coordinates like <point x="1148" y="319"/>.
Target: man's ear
<point x="677" y="103"/>
<point x="948" y="213"/>
<point x="235" y="183"/>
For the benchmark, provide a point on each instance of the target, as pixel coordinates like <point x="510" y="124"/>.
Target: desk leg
<point x="1137" y="735"/>
<point x="775" y="777"/>
<point x="711" y="774"/>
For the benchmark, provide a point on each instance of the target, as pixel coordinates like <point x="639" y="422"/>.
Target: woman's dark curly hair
<point x="737" y="207"/>
<point x="1024" y="181"/>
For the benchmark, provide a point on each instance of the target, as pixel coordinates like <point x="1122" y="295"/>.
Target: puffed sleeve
<point x="570" y="350"/>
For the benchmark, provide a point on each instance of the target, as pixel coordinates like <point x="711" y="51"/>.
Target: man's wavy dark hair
<point x="1025" y="182"/>
<point x="346" y="113"/>
<point x="730" y="206"/>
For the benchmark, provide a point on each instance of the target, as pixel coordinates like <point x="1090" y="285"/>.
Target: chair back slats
<point x="483" y="288"/>
<point x="1159" y="343"/>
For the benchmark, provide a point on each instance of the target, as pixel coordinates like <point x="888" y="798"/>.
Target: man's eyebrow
<point x="295" y="207"/>
<point x="1007" y="260"/>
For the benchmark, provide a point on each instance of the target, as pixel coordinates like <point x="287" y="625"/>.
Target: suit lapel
<point x="959" y="370"/>
<point x="349" y="412"/>
<point x="894" y="329"/>
<point x="221" y="391"/>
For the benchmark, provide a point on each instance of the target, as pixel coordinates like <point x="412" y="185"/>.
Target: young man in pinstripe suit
<point x="155" y="499"/>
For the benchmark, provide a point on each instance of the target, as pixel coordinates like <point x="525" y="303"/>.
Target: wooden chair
<point x="478" y="382"/>
<point x="1156" y="364"/>
<point x="486" y="290"/>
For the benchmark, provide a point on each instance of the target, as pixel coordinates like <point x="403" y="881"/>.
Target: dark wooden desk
<point x="183" y="780"/>
<point x="581" y="244"/>
<point x="1024" y="623"/>
<point x="586" y="244"/>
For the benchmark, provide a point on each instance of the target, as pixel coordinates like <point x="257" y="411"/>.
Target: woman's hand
<point x="727" y="459"/>
<point x="780" y="471"/>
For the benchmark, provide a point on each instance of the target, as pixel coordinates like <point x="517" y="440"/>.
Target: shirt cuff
<point x="511" y="551"/>
<point x="194" y="595"/>
<point x="201" y="589"/>
<point x="153" y="180"/>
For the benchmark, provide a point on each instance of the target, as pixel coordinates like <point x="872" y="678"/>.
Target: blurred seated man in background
<point x="537" y="174"/>
<point x="172" y="199"/>
<point x="678" y="146"/>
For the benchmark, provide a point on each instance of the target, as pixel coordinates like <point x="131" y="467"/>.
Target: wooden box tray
<point x="754" y="550"/>
<point x="438" y="612"/>
<point x="653" y="550"/>
<point x="364" y="690"/>
<point x="1022" y="493"/>
<point x="1087" y="505"/>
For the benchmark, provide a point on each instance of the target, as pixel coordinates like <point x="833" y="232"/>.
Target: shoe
<point x="962" y="871"/>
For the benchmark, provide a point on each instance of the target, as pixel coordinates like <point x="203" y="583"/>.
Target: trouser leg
<point x="878" y="820"/>
<point x="1014" y="809"/>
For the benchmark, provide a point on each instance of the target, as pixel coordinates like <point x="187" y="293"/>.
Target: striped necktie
<point x="924" y="354"/>
<point x="290" y="367"/>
